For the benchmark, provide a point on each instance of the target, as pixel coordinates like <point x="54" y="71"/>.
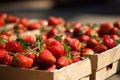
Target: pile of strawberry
<point x="60" y="43"/>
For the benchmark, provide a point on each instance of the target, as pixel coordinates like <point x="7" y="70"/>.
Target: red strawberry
<point x="43" y="22"/>
<point x="105" y="28"/>
<point x="7" y="60"/>
<point x="24" y="22"/>
<point x="3" y="15"/>
<point x="11" y="19"/>
<point x="76" y="25"/>
<point x="55" y="47"/>
<point x="13" y="46"/>
<point x="54" y="21"/>
<point x="84" y="38"/>
<point x="100" y="48"/>
<point x="2" y="22"/>
<point x="53" y="67"/>
<point x="75" y="56"/>
<point x="31" y="55"/>
<point x="62" y="61"/>
<point x="33" y="26"/>
<point x="114" y="30"/>
<point x="28" y="38"/>
<point x="52" y="32"/>
<point x="109" y="42"/>
<point x="22" y="61"/>
<point x="91" y="43"/>
<point x="2" y="54"/>
<point x="117" y="24"/>
<point x="46" y="58"/>
<point x="74" y="43"/>
<point x="87" y="51"/>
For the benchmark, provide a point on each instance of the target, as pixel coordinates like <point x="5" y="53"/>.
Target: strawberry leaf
<point x="2" y="41"/>
<point x="24" y="44"/>
<point x="117" y="41"/>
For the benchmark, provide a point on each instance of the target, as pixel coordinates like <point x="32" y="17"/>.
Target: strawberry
<point x="74" y="44"/>
<point x="22" y="61"/>
<point x="76" y="25"/>
<point x="117" y="24"/>
<point x="53" y="67"/>
<point x="3" y="15"/>
<point x="2" y="22"/>
<point x="91" y="43"/>
<point x="54" y="21"/>
<point x="75" y="56"/>
<point x="28" y="38"/>
<point x="114" y="30"/>
<point x="11" y="19"/>
<point x="100" y="48"/>
<point x="43" y="22"/>
<point x="13" y="46"/>
<point x="62" y="61"/>
<point x="7" y="60"/>
<point x="108" y="42"/>
<point x="105" y="28"/>
<point x="23" y="21"/>
<point x="52" y="32"/>
<point x="33" y="26"/>
<point x="87" y="51"/>
<point x="55" y="47"/>
<point x="31" y="55"/>
<point x="46" y="58"/>
<point x="84" y="38"/>
<point x="2" y="54"/>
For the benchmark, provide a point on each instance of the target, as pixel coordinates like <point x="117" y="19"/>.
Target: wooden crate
<point x="75" y="71"/>
<point x="100" y="61"/>
<point x="103" y="73"/>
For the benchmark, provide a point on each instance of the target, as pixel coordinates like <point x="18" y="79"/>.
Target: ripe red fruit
<point x="13" y="46"/>
<point x="52" y="32"/>
<point x="33" y="26"/>
<point x="31" y="55"/>
<point x="2" y="54"/>
<point x="105" y="28"/>
<point x="22" y="61"/>
<point x="4" y="36"/>
<point x="109" y="42"/>
<point x="7" y="60"/>
<point x="84" y="38"/>
<point x="2" y="22"/>
<point x="62" y="61"/>
<point x="23" y="21"/>
<point x="3" y="15"/>
<point x="74" y="44"/>
<point x="55" y="47"/>
<point x="50" y="68"/>
<point x="43" y="22"/>
<point x="87" y="51"/>
<point x="114" y="30"/>
<point x="100" y="48"/>
<point x="76" y="25"/>
<point x="28" y="38"/>
<point x="46" y="58"/>
<point x="117" y="24"/>
<point x="54" y="21"/>
<point x="75" y="56"/>
<point x="91" y="43"/>
<point x="11" y="19"/>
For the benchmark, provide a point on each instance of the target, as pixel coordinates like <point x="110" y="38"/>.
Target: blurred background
<point x="90" y="11"/>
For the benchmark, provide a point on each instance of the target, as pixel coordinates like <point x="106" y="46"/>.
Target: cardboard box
<point x="75" y="71"/>
<point x="103" y="73"/>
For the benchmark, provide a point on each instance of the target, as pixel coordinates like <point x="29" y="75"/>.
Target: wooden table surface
<point x="41" y="10"/>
